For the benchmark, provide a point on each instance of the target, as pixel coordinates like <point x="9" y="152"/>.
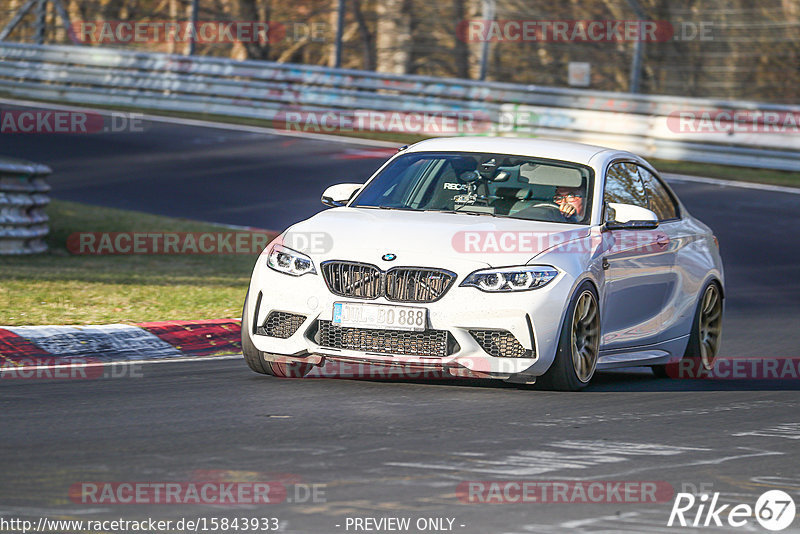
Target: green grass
<point x="727" y="172"/>
<point x="60" y="288"/>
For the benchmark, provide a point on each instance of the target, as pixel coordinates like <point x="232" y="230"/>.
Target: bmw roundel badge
<point x="389" y="257"/>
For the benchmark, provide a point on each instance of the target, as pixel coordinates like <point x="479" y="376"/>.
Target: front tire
<point x="255" y="358"/>
<point x="578" y="346"/>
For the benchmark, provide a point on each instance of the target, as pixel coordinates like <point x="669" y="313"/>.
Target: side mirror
<point x="630" y="217"/>
<point x="340" y="194"/>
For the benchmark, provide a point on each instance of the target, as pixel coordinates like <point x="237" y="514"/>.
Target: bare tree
<point x="366" y="36"/>
<point x="460" y="48"/>
<point x="394" y="36"/>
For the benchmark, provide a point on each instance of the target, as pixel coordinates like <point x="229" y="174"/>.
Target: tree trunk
<point x="248" y="10"/>
<point x="460" y="48"/>
<point x="367" y="38"/>
<point x="393" y="36"/>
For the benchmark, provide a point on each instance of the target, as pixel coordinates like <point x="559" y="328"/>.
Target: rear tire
<point x="704" y="339"/>
<point x="578" y="346"/>
<point x="255" y="358"/>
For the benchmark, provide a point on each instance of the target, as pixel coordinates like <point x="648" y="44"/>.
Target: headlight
<point x="508" y="279"/>
<point x="288" y="261"/>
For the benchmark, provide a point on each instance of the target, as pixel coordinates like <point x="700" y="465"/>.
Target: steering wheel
<point x="551" y="206"/>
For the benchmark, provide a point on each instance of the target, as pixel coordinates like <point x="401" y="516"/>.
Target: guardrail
<point x="267" y="90"/>
<point x="23" y="222"/>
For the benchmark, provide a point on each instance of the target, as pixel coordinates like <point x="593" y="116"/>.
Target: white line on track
<point x="730" y="183"/>
<point x="210" y="124"/>
<point x="358" y="141"/>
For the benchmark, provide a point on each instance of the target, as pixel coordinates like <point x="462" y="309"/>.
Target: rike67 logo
<point x="774" y="510"/>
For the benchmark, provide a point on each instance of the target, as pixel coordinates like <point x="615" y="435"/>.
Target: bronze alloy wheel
<point x="585" y="336"/>
<point x="710" y="323"/>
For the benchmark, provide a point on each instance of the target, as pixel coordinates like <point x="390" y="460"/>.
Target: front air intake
<point x="281" y="324"/>
<point x="431" y="343"/>
<point x="500" y="344"/>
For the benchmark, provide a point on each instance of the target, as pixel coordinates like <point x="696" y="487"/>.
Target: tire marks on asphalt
<point x="557" y="456"/>
<point x="784" y="430"/>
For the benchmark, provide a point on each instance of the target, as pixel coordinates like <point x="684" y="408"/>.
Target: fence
<point x="23" y="223"/>
<point x="735" y="50"/>
<point x="648" y="125"/>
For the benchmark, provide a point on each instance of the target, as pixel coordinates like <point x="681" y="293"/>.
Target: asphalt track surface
<point x="394" y="448"/>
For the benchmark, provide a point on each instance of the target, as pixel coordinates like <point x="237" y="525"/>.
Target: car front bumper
<point x="533" y="317"/>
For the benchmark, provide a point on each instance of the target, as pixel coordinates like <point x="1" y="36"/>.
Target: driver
<point x="570" y="202"/>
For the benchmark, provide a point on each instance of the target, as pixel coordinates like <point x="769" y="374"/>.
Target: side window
<point x="660" y="200"/>
<point x="624" y="186"/>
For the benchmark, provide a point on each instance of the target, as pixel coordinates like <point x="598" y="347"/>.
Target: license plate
<point x="355" y="314"/>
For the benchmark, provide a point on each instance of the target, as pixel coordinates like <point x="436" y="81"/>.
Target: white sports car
<point x="517" y="259"/>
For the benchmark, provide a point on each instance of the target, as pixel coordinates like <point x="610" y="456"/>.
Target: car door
<point x="638" y="269"/>
<point x="678" y="234"/>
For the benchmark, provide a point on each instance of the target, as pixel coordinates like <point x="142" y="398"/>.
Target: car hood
<point x="457" y="242"/>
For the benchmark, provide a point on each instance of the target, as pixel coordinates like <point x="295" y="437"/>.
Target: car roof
<point x="541" y="148"/>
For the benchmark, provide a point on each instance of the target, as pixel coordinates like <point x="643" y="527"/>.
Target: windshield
<point x="499" y="185"/>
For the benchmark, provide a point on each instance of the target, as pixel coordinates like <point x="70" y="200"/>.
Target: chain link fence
<point x="732" y="49"/>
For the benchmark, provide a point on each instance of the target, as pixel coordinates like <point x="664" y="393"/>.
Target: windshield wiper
<point x="405" y="208"/>
<point x="466" y="212"/>
<point x="385" y="208"/>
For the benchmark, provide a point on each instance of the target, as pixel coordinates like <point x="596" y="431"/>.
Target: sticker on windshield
<point x="455" y="187"/>
<point x="469" y="198"/>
